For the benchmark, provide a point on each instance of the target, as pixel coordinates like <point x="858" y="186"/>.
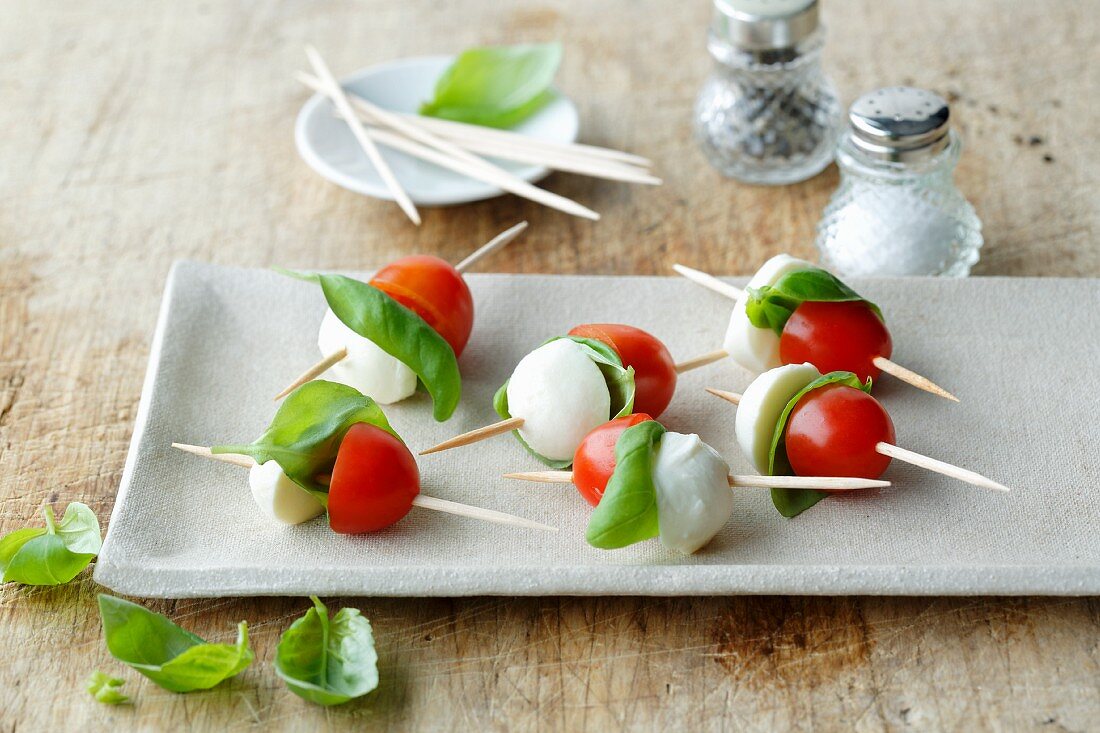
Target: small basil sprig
<point x="175" y="659"/>
<point x="398" y="331"/>
<point x="627" y="513"/>
<point x="325" y="661"/>
<point x="306" y="432"/>
<point x="53" y="554"/>
<point x="619" y="380"/>
<point x="772" y="305"/>
<point x="105" y="689"/>
<point x="792" y="502"/>
<point x="497" y="86"/>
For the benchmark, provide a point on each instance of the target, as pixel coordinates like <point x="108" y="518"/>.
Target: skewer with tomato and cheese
<point x="331" y="448"/>
<point x="409" y="324"/>
<point x="681" y="484"/>
<point x="794" y="420"/>
<point x="793" y="312"/>
<point x="571" y="384"/>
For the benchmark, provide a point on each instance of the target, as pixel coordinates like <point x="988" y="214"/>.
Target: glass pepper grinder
<point x="767" y="114"/>
<point x="897" y="210"/>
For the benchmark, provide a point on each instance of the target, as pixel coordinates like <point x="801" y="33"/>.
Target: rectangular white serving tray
<point x="1022" y="354"/>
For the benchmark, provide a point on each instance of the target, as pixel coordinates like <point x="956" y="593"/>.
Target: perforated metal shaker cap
<point x="763" y="25"/>
<point x="900" y="123"/>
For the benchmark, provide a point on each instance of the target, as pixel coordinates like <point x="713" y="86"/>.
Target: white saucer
<point x="328" y="147"/>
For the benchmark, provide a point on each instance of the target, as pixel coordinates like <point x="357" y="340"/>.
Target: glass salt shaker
<point x="897" y="210"/>
<point x="767" y="114"/>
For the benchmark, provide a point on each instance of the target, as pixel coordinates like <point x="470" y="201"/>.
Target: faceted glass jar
<point x="899" y="218"/>
<point x="769" y="117"/>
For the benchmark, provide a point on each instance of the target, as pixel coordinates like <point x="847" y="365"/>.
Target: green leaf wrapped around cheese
<point x="495" y="86"/>
<point x="619" y="380"/>
<point x="307" y="430"/>
<point x="627" y="513"/>
<point x="772" y="305"/>
<point x="398" y="331"/>
<point x="792" y="502"/>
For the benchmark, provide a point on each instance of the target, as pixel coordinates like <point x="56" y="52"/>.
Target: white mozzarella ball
<point x="763" y="403"/>
<point x="694" y="500"/>
<point x="279" y="497"/>
<point x="367" y="367"/>
<point x="561" y="395"/>
<point x="757" y="349"/>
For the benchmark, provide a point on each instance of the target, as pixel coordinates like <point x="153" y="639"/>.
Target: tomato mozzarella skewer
<point x="428" y="286"/>
<point x="559" y="392"/>
<point x="837" y="335"/>
<point x="374" y="483"/>
<point x="832" y="428"/>
<point x="689" y="480"/>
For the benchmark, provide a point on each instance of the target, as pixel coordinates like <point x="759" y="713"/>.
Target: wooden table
<point x="135" y="134"/>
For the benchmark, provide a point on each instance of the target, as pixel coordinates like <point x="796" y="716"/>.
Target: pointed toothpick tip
<point x="723" y="394"/>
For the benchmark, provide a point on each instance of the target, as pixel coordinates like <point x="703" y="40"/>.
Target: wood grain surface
<point x="135" y="134"/>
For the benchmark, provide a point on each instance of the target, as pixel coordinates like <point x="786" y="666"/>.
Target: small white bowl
<point x="328" y="147"/>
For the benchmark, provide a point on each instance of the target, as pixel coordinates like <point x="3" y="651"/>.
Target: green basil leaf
<point x="105" y="689"/>
<point x="772" y="305"/>
<point x="792" y="502"/>
<point x="55" y="554"/>
<point x="398" y="331"/>
<point x="328" y="662"/>
<point x="495" y="86"/>
<point x="619" y="380"/>
<point x="627" y="513"/>
<point x="307" y="430"/>
<point x="170" y="656"/>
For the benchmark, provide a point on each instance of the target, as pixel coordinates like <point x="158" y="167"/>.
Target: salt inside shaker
<point x="897" y="210"/>
<point x="767" y="114"/>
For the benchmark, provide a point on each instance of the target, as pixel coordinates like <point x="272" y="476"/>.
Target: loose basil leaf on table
<point x="627" y="513"/>
<point x="105" y="689"/>
<point x="772" y="305"/>
<point x="53" y="554"/>
<point x="495" y="86"/>
<point x="792" y="502"/>
<point x="619" y="380"/>
<point x="398" y="331"/>
<point x="305" y="435"/>
<point x="328" y="661"/>
<point x="170" y="656"/>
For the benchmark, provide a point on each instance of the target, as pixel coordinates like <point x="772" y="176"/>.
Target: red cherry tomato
<point x="435" y="291"/>
<point x="594" y="461"/>
<point x="835" y="337"/>
<point x="374" y="481"/>
<point x="832" y="431"/>
<point x="654" y="369"/>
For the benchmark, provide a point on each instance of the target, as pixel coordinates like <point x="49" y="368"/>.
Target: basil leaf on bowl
<point x="627" y="513"/>
<point x="619" y="380"/>
<point x="174" y="658"/>
<point x="772" y="305"/>
<point x="495" y="86"/>
<point x="398" y="331"/>
<point x="53" y="554"/>
<point x="106" y="689"/>
<point x="792" y="502"/>
<point x="305" y="435"/>
<point x="328" y="661"/>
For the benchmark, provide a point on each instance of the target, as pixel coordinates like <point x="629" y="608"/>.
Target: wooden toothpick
<point x="907" y="456"/>
<point x="701" y="361"/>
<point x="708" y="281"/>
<point x="314" y="371"/>
<point x="335" y="92"/>
<point x="816" y="483"/>
<point x="476" y="436"/>
<point x="421" y="500"/>
<point x="910" y="377"/>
